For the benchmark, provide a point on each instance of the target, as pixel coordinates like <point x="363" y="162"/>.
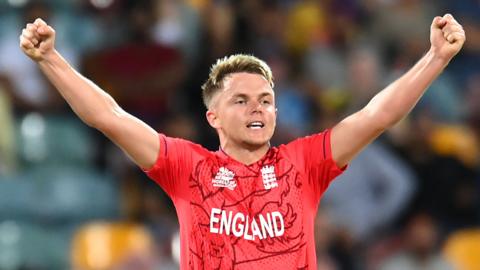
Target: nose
<point x="256" y="107"/>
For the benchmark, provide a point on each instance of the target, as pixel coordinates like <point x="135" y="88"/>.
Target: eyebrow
<point x="242" y="95"/>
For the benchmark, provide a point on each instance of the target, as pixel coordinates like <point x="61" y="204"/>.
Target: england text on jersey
<point x="241" y="225"/>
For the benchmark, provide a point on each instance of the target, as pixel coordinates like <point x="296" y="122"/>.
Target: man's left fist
<point x="446" y="37"/>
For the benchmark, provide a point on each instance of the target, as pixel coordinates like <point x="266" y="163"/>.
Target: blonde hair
<point x="233" y="64"/>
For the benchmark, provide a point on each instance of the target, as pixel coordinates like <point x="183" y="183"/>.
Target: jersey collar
<point x="263" y="160"/>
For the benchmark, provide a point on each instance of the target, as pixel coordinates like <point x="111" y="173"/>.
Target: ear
<point x="212" y="119"/>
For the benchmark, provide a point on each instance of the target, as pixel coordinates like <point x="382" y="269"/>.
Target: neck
<point x="245" y="154"/>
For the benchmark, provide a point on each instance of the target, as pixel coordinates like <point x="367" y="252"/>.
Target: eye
<point x="266" y="102"/>
<point x="240" y="101"/>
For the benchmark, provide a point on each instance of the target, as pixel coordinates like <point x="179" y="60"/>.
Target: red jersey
<point x="237" y="216"/>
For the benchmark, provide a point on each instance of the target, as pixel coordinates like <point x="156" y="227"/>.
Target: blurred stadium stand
<point x="61" y="182"/>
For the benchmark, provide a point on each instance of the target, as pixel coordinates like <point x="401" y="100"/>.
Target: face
<point x="244" y="112"/>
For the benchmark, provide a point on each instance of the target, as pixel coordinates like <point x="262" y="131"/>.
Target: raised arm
<point x="393" y="103"/>
<point x="93" y="105"/>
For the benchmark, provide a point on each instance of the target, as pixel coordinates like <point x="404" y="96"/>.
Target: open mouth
<point x="255" y="125"/>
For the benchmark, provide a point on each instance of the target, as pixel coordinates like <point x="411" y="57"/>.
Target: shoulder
<point x="177" y="153"/>
<point x="318" y="143"/>
<point x="178" y="144"/>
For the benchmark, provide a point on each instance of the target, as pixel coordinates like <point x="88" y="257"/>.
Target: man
<point x="248" y="204"/>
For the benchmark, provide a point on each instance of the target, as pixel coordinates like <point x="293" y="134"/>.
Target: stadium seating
<point x="60" y="140"/>
<point x="462" y="248"/>
<point x="29" y="246"/>
<point x="100" y="246"/>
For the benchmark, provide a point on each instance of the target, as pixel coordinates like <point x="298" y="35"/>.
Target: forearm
<point x="397" y="100"/>
<point x="393" y="103"/>
<point x="85" y="98"/>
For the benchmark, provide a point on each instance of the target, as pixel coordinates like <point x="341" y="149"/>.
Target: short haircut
<point x="232" y="64"/>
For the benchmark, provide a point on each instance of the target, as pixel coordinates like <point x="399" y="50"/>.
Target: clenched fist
<point x="446" y="37"/>
<point x="37" y="40"/>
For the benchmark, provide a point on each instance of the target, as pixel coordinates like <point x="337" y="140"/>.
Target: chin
<point x="256" y="143"/>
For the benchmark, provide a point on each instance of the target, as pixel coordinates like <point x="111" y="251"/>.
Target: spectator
<point x="420" y="250"/>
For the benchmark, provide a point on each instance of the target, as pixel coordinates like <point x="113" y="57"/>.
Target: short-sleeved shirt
<point x="237" y="216"/>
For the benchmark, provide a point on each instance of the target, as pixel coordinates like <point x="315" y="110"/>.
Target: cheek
<point x="272" y="115"/>
<point x="231" y="118"/>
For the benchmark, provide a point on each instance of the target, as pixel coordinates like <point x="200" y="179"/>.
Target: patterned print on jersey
<point x="251" y="222"/>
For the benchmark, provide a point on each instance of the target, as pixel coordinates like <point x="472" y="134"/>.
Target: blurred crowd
<point x="410" y="200"/>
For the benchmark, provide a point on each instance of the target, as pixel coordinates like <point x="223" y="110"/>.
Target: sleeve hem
<point x="162" y="144"/>
<point x="328" y="151"/>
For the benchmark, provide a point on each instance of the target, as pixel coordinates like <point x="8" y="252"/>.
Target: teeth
<point x="255" y="125"/>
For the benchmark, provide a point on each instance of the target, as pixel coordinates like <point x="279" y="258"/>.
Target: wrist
<point x="438" y="58"/>
<point x="48" y="57"/>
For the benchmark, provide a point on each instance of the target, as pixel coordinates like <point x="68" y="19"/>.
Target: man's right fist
<point x="37" y="40"/>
